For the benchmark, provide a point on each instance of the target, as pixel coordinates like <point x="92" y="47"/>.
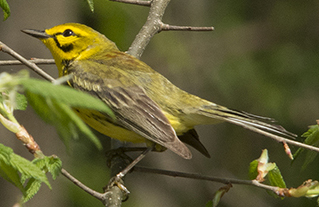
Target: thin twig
<point x="136" y="2"/>
<point x="36" y="61"/>
<point x="29" y="64"/>
<point x="167" y="27"/>
<point x="207" y="178"/>
<point x="94" y="193"/>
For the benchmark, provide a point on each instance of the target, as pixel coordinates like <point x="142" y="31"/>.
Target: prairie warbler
<point x="148" y="107"/>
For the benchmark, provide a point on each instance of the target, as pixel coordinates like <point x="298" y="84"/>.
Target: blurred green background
<point x="263" y="58"/>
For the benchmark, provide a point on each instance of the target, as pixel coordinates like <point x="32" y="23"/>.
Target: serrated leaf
<point x="54" y="167"/>
<point x="32" y="187"/>
<point x="12" y="166"/>
<point x="28" y="170"/>
<point x="7" y="171"/>
<point x="91" y="5"/>
<point x="5" y="8"/>
<point x="51" y="164"/>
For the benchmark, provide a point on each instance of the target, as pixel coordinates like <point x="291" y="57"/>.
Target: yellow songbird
<point x="148" y="107"/>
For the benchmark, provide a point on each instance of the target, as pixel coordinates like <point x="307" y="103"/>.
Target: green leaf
<point x="312" y="138"/>
<point x="32" y="187"/>
<point x="12" y="166"/>
<point x="81" y="125"/>
<point x="209" y="204"/>
<point x="52" y="103"/>
<point x="7" y="171"/>
<point x="253" y="170"/>
<point x="61" y="117"/>
<point x="28" y="169"/>
<point x="66" y="95"/>
<point x="91" y="5"/>
<point x="5" y="8"/>
<point x="54" y="166"/>
<point x="21" y="102"/>
<point x="313" y="191"/>
<point x="275" y="178"/>
<point x="51" y="164"/>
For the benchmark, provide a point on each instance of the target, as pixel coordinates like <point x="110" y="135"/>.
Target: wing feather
<point x="134" y="110"/>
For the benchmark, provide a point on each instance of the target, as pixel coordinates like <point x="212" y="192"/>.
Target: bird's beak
<point x="36" y="33"/>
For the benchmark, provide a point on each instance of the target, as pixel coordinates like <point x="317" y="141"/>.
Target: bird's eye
<point x="67" y="33"/>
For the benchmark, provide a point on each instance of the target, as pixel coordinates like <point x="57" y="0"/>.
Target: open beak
<point x="36" y="33"/>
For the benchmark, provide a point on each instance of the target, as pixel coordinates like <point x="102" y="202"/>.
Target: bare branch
<point x="35" y="60"/>
<point x="167" y="27"/>
<point x="94" y="193"/>
<point x="136" y="2"/>
<point x="150" y="28"/>
<point x="207" y="178"/>
<point x="31" y="65"/>
<point x="155" y="25"/>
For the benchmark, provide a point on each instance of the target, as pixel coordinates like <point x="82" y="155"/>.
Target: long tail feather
<point x="244" y="118"/>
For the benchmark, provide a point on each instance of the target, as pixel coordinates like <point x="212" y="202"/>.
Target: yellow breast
<point x="99" y="122"/>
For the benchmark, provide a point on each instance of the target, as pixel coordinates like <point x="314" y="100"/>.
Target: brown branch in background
<point x="167" y="27"/>
<point x="150" y="28"/>
<point x="155" y="25"/>
<point x="34" y="67"/>
<point x="33" y="60"/>
<point x="136" y="2"/>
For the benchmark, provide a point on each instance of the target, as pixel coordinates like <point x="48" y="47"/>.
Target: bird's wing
<point x="133" y="109"/>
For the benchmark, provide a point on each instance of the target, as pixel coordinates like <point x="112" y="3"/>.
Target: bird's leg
<point x="121" y="174"/>
<point x="117" y="179"/>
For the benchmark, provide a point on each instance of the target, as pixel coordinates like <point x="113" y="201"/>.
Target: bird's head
<point x="72" y="41"/>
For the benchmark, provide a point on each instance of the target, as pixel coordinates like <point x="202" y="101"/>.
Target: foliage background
<point x="262" y="58"/>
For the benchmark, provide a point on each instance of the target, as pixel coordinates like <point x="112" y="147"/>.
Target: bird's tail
<point x="252" y="122"/>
